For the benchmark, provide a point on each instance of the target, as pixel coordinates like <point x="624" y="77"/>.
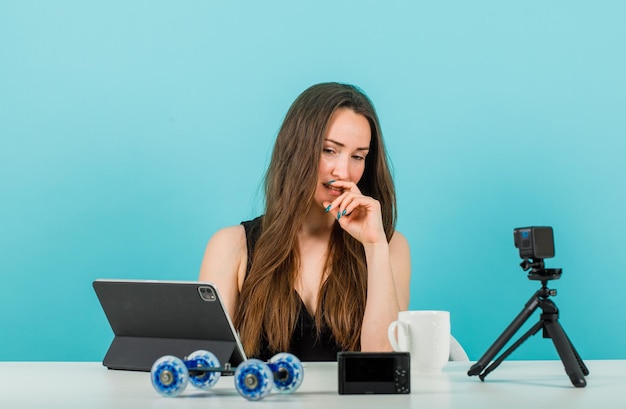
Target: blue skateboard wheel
<point x="254" y="379"/>
<point x="203" y="380"/>
<point x="169" y="376"/>
<point x="288" y="372"/>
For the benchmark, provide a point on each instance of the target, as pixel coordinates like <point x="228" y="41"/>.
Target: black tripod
<point x="574" y="366"/>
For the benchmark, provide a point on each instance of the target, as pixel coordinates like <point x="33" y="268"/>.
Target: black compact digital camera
<point x="374" y="372"/>
<point x="534" y="242"/>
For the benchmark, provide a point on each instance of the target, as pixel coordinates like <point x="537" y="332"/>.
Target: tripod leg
<point x="508" y="333"/>
<point x="570" y="358"/>
<point x="532" y="331"/>
<point x="581" y="364"/>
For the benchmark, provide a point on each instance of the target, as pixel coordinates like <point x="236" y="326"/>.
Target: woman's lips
<point x="333" y="190"/>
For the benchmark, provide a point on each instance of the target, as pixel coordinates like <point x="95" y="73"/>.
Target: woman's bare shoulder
<point x="398" y="240"/>
<point x="229" y="236"/>
<point x="225" y="256"/>
<point x="224" y="264"/>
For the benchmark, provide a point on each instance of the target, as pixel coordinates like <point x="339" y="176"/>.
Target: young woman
<point x="323" y="270"/>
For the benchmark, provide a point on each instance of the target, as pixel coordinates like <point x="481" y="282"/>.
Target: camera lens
<point x="207" y="293"/>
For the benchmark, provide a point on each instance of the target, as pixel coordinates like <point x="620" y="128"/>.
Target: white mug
<point x="426" y="335"/>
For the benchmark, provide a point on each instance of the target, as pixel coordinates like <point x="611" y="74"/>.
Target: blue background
<point x="130" y="131"/>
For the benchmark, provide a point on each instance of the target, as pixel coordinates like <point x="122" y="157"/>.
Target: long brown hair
<point x="268" y="304"/>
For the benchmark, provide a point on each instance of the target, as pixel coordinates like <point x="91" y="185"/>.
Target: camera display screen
<point x="379" y="369"/>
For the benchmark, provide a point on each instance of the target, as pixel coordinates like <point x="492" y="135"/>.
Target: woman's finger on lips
<point x="346" y="186"/>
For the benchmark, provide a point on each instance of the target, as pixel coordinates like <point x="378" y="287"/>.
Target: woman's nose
<point x="340" y="169"/>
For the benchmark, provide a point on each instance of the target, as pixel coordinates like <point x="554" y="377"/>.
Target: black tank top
<point x="305" y="342"/>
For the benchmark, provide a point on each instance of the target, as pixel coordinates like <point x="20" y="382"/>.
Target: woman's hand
<point x="357" y="214"/>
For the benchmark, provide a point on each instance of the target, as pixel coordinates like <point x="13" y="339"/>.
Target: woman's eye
<point x="358" y="157"/>
<point x="328" y="150"/>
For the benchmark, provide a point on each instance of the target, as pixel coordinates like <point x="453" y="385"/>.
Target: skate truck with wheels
<point x="254" y="379"/>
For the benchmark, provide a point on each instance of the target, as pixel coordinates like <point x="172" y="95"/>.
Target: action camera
<point x="534" y="242"/>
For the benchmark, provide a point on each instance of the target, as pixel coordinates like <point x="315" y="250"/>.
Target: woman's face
<point x="345" y="146"/>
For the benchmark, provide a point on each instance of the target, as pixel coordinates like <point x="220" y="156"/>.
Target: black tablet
<point x="151" y="319"/>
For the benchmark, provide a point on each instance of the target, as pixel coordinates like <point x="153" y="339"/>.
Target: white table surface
<point x="515" y="384"/>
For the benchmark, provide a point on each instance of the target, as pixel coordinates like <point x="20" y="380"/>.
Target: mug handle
<point x="391" y="334"/>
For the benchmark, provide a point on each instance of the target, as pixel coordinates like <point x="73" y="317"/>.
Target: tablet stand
<point x="574" y="366"/>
